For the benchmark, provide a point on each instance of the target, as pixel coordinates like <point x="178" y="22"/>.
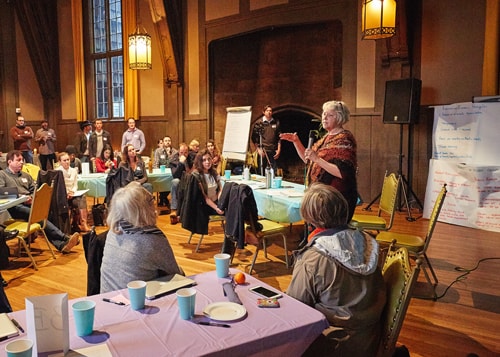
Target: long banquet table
<point x="158" y="330"/>
<point x="96" y="183"/>
<point x="277" y="204"/>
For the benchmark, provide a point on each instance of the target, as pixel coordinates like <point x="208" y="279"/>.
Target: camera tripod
<point x="404" y="188"/>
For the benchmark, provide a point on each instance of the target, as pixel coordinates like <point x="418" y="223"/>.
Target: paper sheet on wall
<point x="237" y="133"/>
<point x="467" y="132"/>
<point x="473" y="198"/>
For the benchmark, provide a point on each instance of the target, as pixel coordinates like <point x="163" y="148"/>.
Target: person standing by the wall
<point x="266" y="136"/>
<point x="134" y="136"/>
<point x="22" y="135"/>
<point x="82" y="141"/>
<point x="98" y="140"/>
<point x="46" y="138"/>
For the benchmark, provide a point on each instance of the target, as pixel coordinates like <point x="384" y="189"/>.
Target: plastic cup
<point x="277" y="182"/>
<point x="222" y="264"/>
<point x="227" y="174"/>
<point x="83" y="313"/>
<point x="137" y="294"/>
<point x="19" y="348"/>
<point x="186" y="298"/>
<point x="162" y="169"/>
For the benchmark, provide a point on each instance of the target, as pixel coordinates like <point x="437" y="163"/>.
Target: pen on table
<point x="19" y="327"/>
<point x="113" y="302"/>
<point x="206" y="323"/>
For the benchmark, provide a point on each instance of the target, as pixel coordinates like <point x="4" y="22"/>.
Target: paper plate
<point x="224" y="311"/>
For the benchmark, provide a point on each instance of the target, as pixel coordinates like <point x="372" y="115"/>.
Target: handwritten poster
<point x="467" y="132"/>
<point x="473" y="198"/>
<point x="466" y="142"/>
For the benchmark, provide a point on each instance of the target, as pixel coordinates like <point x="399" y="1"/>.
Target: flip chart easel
<point x="237" y="133"/>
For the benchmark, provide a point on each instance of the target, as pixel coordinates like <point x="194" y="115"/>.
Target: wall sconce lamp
<point x="378" y="19"/>
<point x="139" y="50"/>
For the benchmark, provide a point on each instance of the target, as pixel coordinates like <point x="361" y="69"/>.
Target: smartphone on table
<point x="265" y="292"/>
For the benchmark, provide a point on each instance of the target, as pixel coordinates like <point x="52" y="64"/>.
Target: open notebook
<point x="7" y="327"/>
<point x="166" y="284"/>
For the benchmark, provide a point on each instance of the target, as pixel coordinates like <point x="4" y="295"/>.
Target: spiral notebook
<point x="7" y="327"/>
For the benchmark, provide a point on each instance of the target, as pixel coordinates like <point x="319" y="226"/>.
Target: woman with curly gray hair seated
<point x="135" y="249"/>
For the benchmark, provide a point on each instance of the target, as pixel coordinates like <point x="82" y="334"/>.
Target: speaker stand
<point x="405" y="188"/>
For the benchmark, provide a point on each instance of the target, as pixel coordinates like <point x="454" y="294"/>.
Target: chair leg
<point x="254" y="259"/>
<point x="199" y="243"/>
<point x="22" y="242"/>
<point x="427" y="277"/>
<point x="190" y="236"/>
<point x="286" y="250"/>
<point x="48" y="244"/>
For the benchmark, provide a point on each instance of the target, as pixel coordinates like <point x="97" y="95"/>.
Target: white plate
<point x="224" y="311"/>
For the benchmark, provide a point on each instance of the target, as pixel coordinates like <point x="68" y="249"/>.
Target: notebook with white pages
<point x="7" y="327"/>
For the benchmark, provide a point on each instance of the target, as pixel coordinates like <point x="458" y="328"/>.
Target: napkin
<point x="230" y="293"/>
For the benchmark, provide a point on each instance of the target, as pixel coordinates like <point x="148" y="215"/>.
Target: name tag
<point x="105" y="139"/>
<point x="162" y="156"/>
<point x="23" y="179"/>
<point x="136" y="136"/>
<point x="273" y="126"/>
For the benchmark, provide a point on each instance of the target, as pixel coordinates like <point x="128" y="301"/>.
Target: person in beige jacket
<point x="337" y="274"/>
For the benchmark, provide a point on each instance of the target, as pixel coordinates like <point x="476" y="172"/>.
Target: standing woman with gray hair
<point x="135" y="249"/>
<point x="332" y="159"/>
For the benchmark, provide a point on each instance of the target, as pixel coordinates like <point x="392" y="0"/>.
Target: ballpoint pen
<point x="208" y="323"/>
<point x="113" y="301"/>
<point x="19" y="327"/>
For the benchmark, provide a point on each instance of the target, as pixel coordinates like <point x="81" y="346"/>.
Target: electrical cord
<point x="460" y="277"/>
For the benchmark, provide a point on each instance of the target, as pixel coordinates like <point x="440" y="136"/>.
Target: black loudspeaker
<point x="402" y="101"/>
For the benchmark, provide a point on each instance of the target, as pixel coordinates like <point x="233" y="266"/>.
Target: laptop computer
<point x="166" y="284"/>
<point x="9" y="193"/>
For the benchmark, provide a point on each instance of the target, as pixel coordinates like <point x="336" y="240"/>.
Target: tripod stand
<point x="404" y="187"/>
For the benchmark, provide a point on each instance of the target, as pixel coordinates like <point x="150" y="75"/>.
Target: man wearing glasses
<point x="22" y="135"/>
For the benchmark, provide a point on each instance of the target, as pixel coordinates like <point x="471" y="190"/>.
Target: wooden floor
<point x="465" y="320"/>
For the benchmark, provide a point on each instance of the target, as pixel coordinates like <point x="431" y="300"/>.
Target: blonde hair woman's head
<point x="134" y="204"/>
<point x="324" y="206"/>
<point x="340" y="108"/>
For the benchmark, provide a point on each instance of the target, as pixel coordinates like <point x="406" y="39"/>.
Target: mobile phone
<point x="265" y="292"/>
<point x="265" y="302"/>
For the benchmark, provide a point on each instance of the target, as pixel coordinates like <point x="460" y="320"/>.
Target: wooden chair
<point x="400" y="280"/>
<point x="36" y="222"/>
<point x="32" y="170"/>
<point x="387" y="206"/>
<point x="270" y="230"/>
<point x="417" y="245"/>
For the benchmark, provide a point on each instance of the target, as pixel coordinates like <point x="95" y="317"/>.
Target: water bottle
<point x="269" y="177"/>
<point x="246" y="174"/>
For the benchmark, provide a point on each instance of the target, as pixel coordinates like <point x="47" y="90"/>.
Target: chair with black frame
<point x="192" y="212"/>
<point x="387" y="206"/>
<point x="36" y="222"/>
<point x="416" y="245"/>
<point x="400" y="280"/>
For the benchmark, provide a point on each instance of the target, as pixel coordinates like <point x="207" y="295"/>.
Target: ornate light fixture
<point x="139" y="50"/>
<point x="378" y="19"/>
<point x="139" y="46"/>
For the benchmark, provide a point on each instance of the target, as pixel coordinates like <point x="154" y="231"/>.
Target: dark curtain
<point x="38" y="20"/>
<point x="173" y="8"/>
